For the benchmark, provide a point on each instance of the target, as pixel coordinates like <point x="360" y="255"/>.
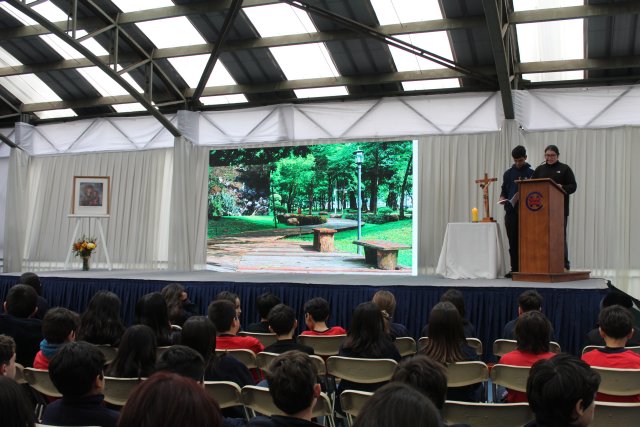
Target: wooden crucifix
<point x="484" y="184"/>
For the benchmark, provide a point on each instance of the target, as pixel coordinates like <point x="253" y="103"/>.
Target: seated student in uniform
<point x="265" y="302"/>
<point x="456" y="298"/>
<point x="7" y="356"/>
<point x="386" y="301"/>
<point x="59" y="327"/>
<point x="33" y="280"/>
<point x="593" y="337"/>
<point x="561" y="392"/>
<point x="616" y="326"/>
<point x="527" y="301"/>
<point x="223" y="315"/>
<point x="283" y="322"/>
<point x="316" y="314"/>
<point x="18" y="322"/>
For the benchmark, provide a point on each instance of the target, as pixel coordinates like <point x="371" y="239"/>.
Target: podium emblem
<point x="534" y="201"/>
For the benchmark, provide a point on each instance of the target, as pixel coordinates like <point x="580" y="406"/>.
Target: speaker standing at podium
<point x="563" y="175"/>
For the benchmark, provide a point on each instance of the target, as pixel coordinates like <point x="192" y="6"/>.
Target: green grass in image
<point x="238" y="224"/>
<point x="398" y="232"/>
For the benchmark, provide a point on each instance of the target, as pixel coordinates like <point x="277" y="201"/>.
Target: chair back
<point x="247" y="357"/>
<point x="511" y="377"/>
<point x="108" y="351"/>
<point x="323" y="345"/>
<point x="352" y="401"/>
<point x="618" y="382"/>
<point x="476" y="344"/>
<point x="258" y="400"/>
<point x="406" y="346"/>
<point x="460" y="374"/>
<point x="117" y="390"/>
<point x="615" y="414"/>
<point x="39" y="380"/>
<point x="264" y="359"/>
<point x="265" y="339"/>
<point x="364" y="371"/>
<point x="161" y="349"/>
<point x="226" y="393"/>
<point x="487" y="414"/>
<point x="19" y="375"/>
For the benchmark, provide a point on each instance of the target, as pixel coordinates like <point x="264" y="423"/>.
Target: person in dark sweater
<point x="593" y="337"/>
<point x="76" y="371"/>
<point x="386" y="301"/>
<point x="283" y="322"/>
<point x="529" y="300"/>
<point x="563" y="176"/>
<point x="456" y="298"/>
<point x="33" y="280"/>
<point x="264" y="303"/>
<point x="18" y="322"/>
<point x="518" y="171"/>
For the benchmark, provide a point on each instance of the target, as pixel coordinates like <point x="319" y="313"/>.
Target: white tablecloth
<point x="471" y="251"/>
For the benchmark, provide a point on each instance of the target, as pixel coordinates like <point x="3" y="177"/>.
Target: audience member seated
<point x="593" y="337"/>
<point x="136" y="356"/>
<point x="7" y="356"/>
<point x="397" y="404"/>
<point x="76" y="371"/>
<point x="151" y="310"/>
<point x="427" y="376"/>
<point x="100" y="323"/>
<point x="616" y="327"/>
<point x="18" y="322"/>
<point x="282" y="321"/>
<point x="182" y="360"/>
<point x="199" y="333"/>
<point x="166" y="400"/>
<point x="316" y="314"/>
<point x="232" y="298"/>
<point x="294" y="389"/>
<point x="32" y="279"/>
<point x="264" y="303"/>
<point x="387" y="303"/>
<point x="455" y="297"/>
<point x="529" y="300"/>
<point x="447" y="344"/>
<point x="561" y="392"/>
<point x="224" y="316"/>
<point x="178" y="304"/>
<point x="59" y="327"/>
<point x="16" y="409"/>
<point x="532" y="335"/>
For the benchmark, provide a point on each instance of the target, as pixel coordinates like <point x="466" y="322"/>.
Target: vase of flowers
<point x="84" y="248"/>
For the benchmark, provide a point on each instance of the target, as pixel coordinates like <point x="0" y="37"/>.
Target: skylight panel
<point x="28" y="88"/>
<point x="191" y="68"/>
<point x="171" y="32"/>
<point x="8" y="60"/>
<point x="129" y="108"/>
<point x="67" y="52"/>
<point x="237" y="98"/>
<point x="133" y="6"/>
<point x="519" y="5"/>
<point x="435" y="42"/>
<point x="279" y="20"/>
<point x="540" y="41"/>
<point x="47" y="9"/>
<point x="555" y="76"/>
<point x="403" y="11"/>
<point x="430" y="84"/>
<point x="56" y="114"/>
<point x="105" y="84"/>
<point x="305" y="61"/>
<point x="320" y="92"/>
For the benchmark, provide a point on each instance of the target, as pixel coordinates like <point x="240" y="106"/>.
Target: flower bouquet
<point x="84" y="248"/>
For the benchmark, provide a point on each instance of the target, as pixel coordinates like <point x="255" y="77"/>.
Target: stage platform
<point x="572" y="307"/>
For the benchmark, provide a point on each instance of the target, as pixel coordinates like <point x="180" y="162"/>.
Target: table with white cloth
<point x="471" y="251"/>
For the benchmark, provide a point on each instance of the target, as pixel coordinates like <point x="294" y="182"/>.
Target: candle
<point x="474" y="214"/>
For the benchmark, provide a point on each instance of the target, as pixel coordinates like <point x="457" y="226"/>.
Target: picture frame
<point x="91" y="195"/>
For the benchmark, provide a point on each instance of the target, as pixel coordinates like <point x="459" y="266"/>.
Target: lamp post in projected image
<point x="359" y="155"/>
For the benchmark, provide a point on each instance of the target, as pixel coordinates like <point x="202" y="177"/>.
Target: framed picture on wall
<point x="91" y="195"/>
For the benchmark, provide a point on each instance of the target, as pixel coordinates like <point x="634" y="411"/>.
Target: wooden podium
<point x="541" y="233"/>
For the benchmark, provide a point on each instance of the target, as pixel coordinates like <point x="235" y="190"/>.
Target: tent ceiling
<point x="483" y="38"/>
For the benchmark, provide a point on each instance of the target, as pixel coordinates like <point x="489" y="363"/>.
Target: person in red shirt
<point x="59" y="327"/>
<point x="316" y="314"/>
<point x="223" y="315"/>
<point x="616" y="327"/>
<point x="532" y="335"/>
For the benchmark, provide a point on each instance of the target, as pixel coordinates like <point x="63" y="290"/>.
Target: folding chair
<point x="618" y="382"/>
<point x="324" y="346"/>
<point x="247" y="357"/>
<point x="364" y="371"/>
<point x="160" y="350"/>
<point x="511" y="377"/>
<point x="476" y="344"/>
<point x="265" y="339"/>
<point x="258" y="400"/>
<point x="108" y="351"/>
<point x="615" y="414"/>
<point x="487" y="414"/>
<point x="228" y="394"/>
<point x="406" y="346"/>
<point x="117" y="390"/>
<point x="19" y="375"/>
<point x="352" y="402"/>
<point x="39" y="380"/>
<point x="460" y="374"/>
<point x="264" y="359"/>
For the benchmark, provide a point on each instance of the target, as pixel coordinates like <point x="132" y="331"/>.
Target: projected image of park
<point x="264" y="205"/>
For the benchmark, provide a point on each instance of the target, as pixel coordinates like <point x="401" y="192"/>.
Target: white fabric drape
<point x="188" y="206"/>
<point x="15" y="211"/>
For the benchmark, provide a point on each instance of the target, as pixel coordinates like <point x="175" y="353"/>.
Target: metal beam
<point x="229" y="19"/>
<point x="575" y="12"/>
<point x="495" y="15"/>
<point x="93" y="58"/>
<point x="578" y="64"/>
